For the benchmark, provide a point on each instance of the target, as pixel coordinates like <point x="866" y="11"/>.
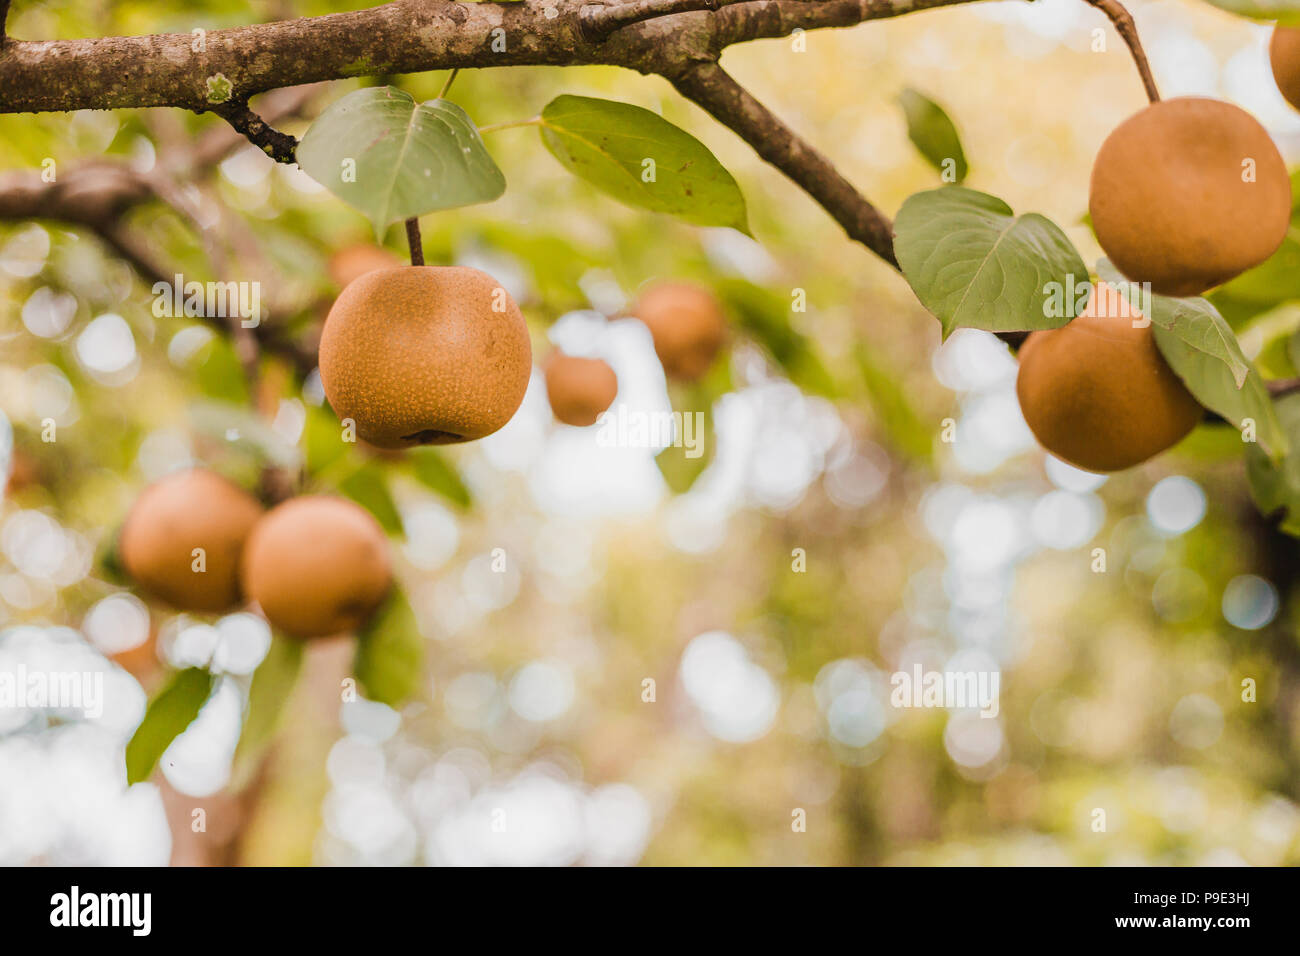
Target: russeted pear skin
<point x="425" y="355"/>
<point x="352" y="262"/>
<point x="176" y="515"/>
<point x="579" y="389"/>
<point x="687" y="325"/>
<point x="317" y="565"/>
<point x="1188" y="193"/>
<point x="1098" y="394"/>
<point x="1284" y="55"/>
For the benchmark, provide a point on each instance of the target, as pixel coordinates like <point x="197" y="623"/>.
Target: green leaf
<point x="220" y="375"/>
<point x="240" y="426"/>
<point x="1195" y="321"/>
<point x="616" y="147"/>
<point x="1285" y="11"/>
<point x="110" y="561"/>
<point x="272" y="685"/>
<point x="432" y="469"/>
<point x="679" y="464"/>
<point x="367" y="487"/>
<point x="322" y="440"/>
<point x="166" y="718"/>
<point x="933" y="133"/>
<point x="1204" y="352"/>
<point x="766" y="317"/>
<point x="409" y="159"/>
<point x="1276" y="486"/>
<point x="1275" y="280"/>
<point x="390" y="653"/>
<point x="906" y="431"/>
<point x="1210" y="380"/>
<point x="975" y="264"/>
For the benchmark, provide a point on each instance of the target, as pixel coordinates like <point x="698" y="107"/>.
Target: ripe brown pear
<point x="579" y="389"/>
<point x="170" y="521"/>
<point x="1284" y="55"/>
<point x="687" y="325"/>
<point x="1097" y="392"/>
<point x="352" y="262"/>
<point x="1188" y="193"/>
<point x="317" y="565"/>
<point x="425" y="355"/>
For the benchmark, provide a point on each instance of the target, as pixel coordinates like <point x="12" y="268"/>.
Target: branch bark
<point x="710" y="86"/>
<point x="406" y="36"/>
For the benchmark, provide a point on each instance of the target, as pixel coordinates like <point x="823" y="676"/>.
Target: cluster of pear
<point x="688" y="328"/>
<point x="316" y="565"/>
<point x="1185" y="195"/>
<point x="420" y="355"/>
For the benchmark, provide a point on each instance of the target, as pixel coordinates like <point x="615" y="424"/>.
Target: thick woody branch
<point x="732" y="105"/>
<point x="600" y="20"/>
<point x="406" y="36"/>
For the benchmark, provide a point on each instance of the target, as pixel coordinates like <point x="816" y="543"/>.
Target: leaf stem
<point x="446" y="87"/>
<point x="414" y="241"/>
<point x="535" y="121"/>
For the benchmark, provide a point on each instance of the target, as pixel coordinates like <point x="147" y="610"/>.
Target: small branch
<point x="1282" y="386"/>
<point x="1127" y="30"/>
<point x="4" y="15"/>
<point x="219" y="141"/>
<point x="279" y="146"/>
<point x="708" y="85"/>
<point x="414" y="241"/>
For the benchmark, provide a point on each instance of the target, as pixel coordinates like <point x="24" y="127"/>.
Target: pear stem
<point x="1127" y="30"/>
<point x="414" y="241"/>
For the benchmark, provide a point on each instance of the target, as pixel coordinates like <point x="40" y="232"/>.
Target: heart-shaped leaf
<point x="975" y="264"/>
<point x="390" y="653"/>
<point x="391" y="158"/>
<point x="933" y="133"/>
<point x="641" y="159"/>
<point x="165" y="719"/>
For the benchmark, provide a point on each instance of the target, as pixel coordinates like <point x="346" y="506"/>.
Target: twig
<point x="279" y="146"/>
<point x="1127" y="30"/>
<point x="414" y="241"/>
<point x="732" y="105"/>
<point x="1282" y="386"/>
<point x="4" y="15"/>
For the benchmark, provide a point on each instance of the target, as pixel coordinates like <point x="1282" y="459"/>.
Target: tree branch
<point x="732" y="105"/>
<point x="279" y="146"/>
<point x="96" y="195"/>
<point x="406" y="36"/>
<point x="1127" y="29"/>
